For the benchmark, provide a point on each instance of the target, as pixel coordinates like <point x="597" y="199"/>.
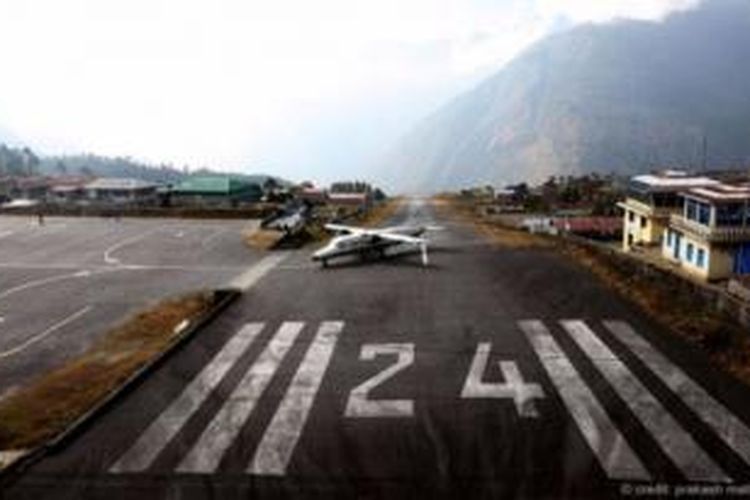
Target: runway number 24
<point x="513" y="387"/>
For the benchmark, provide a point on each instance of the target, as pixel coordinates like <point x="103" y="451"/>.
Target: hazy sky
<point x="303" y="89"/>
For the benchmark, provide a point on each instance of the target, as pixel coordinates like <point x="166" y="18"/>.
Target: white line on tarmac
<point x="297" y="267"/>
<point x="680" y="446"/>
<point x="45" y="333"/>
<point x="275" y="449"/>
<point x="247" y="279"/>
<point x="731" y="429"/>
<point x="161" y="431"/>
<point x="207" y="453"/>
<point x="4" y="234"/>
<point x="609" y="446"/>
<point x="83" y="273"/>
<point x="122" y="243"/>
<point x="123" y="267"/>
<point x="217" y="232"/>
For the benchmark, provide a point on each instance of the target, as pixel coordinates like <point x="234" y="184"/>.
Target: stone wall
<point x="698" y="294"/>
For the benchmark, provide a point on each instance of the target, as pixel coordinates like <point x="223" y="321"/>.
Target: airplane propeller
<point x="425" y="260"/>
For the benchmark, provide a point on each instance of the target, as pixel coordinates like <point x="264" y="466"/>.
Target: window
<point x="689" y="253"/>
<point x="691" y="210"/>
<point x="631" y="216"/>
<point x="730" y="214"/>
<point x="669" y="237"/>
<point x="701" y="261"/>
<point x="697" y="211"/>
<point x="644" y="222"/>
<point x="704" y="213"/>
<point x="666" y="200"/>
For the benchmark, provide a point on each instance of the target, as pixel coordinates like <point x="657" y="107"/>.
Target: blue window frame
<point x="669" y="237"/>
<point x="701" y="258"/>
<point x="704" y="213"/>
<point x="689" y="256"/>
<point x="691" y="209"/>
<point x="698" y="211"/>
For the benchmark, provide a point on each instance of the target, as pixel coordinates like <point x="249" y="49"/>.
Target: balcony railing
<point x="723" y="234"/>
<point x="646" y="209"/>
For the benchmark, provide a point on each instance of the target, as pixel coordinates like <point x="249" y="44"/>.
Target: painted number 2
<point x="360" y="406"/>
<point x="522" y="393"/>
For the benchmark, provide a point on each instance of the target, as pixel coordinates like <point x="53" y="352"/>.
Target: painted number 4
<point x="522" y="393"/>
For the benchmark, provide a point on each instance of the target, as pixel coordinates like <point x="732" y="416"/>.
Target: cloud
<point x="218" y="82"/>
<point x="606" y="10"/>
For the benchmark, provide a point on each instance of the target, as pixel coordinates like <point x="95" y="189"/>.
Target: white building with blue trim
<point x="710" y="237"/>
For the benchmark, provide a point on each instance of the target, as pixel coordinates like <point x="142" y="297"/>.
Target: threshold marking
<point x="610" y="448"/>
<point x="277" y="445"/>
<point x="206" y="455"/>
<point x="680" y="446"/>
<point x="161" y="431"/>
<point x="726" y="425"/>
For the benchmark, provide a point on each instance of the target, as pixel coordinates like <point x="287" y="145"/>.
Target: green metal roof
<point x="213" y="184"/>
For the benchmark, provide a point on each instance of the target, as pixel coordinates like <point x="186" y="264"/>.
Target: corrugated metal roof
<point x="116" y="183"/>
<point x="212" y="184"/>
<point x="674" y="182"/>
<point x="721" y="192"/>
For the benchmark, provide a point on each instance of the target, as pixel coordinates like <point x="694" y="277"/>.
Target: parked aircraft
<point x="366" y="242"/>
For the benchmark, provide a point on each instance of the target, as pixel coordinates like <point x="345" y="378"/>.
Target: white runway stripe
<point x="607" y="444"/>
<point x="252" y="275"/>
<point x="278" y="443"/>
<point x="731" y="429"/>
<point x="207" y="453"/>
<point x="161" y="431"/>
<point x="689" y="457"/>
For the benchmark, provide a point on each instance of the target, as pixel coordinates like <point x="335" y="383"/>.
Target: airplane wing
<point x="401" y="238"/>
<point x="381" y="234"/>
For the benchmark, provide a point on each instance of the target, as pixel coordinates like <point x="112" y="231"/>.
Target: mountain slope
<point x="620" y="97"/>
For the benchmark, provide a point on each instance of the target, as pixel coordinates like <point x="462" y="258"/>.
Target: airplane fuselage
<point x="365" y="244"/>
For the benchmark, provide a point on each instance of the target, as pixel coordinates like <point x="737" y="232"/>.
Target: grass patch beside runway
<point x="380" y="213"/>
<point x="48" y="405"/>
<point x="262" y="239"/>
<point x="504" y="236"/>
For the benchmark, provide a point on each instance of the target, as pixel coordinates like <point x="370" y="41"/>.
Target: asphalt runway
<point x="492" y="373"/>
<point x="64" y="283"/>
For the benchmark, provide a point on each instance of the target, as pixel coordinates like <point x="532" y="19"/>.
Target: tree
<point x="30" y="161"/>
<point x="61" y="168"/>
<point x="270" y="185"/>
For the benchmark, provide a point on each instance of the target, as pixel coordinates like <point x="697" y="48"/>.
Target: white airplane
<point x="365" y="241"/>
